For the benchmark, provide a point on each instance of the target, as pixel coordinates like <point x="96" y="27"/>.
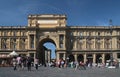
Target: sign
<point x="47" y="21"/>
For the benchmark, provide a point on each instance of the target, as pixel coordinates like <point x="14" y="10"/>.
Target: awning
<point x="13" y="53"/>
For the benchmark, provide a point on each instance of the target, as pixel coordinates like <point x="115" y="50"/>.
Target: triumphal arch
<point x="73" y="43"/>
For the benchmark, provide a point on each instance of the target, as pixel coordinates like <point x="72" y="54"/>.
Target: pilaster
<point x="85" y="58"/>
<point x="75" y="56"/>
<point x="34" y="41"/>
<point x="94" y="58"/>
<point x="0" y="43"/>
<point x="103" y="58"/>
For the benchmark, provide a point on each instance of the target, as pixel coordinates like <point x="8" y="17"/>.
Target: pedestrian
<point x="82" y="65"/>
<point x="76" y="65"/>
<point x="36" y="64"/>
<point x="29" y="61"/>
<point x="14" y="62"/>
<point x="19" y="65"/>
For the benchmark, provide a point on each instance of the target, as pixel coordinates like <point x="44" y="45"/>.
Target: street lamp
<point x="111" y="54"/>
<point x="67" y="61"/>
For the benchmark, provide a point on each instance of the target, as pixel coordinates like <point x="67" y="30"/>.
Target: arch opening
<point x="46" y="51"/>
<point x="80" y="58"/>
<point x="98" y="58"/>
<point x="71" y="58"/>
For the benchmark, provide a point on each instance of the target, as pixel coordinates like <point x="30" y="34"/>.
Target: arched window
<point x="4" y="44"/>
<point x="97" y="44"/>
<point x="89" y="43"/>
<point x="13" y="43"/>
<point x="107" y="43"/>
<point x="31" y="41"/>
<point x="15" y="33"/>
<point x="22" y="43"/>
<point x="98" y="33"/>
<point x="5" y="33"/>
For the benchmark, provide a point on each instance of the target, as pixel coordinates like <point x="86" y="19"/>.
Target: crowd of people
<point x="20" y="62"/>
<point x="64" y="64"/>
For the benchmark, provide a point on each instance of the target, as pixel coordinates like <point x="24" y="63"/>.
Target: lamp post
<point x="111" y="54"/>
<point x="67" y="61"/>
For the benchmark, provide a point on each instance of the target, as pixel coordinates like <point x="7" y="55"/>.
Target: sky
<point x="78" y="12"/>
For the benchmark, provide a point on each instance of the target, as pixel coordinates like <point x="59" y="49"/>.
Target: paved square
<point x="56" y="72"/>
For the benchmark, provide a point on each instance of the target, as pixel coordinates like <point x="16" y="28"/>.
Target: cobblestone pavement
<point x="56" y="72"/>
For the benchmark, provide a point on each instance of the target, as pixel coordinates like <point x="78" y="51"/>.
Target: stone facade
<point x="78" y="43"/>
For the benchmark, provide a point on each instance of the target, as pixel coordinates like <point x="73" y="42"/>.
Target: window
<point x="32" y="55"/>
<point x="61" y="45"/>
<point x="4" y="44"/>
<point x="23" y="33"/>
<point x="5" y="33"/>
<point x="14" y="33"/>
<point x="98" y="33"/>
<point x="14" y="43"/>
<point x="118" y="55"/>
<point x="31" y="41"/>
<point x="71" y="33"/>
<point x="61" y="38"/>
<point x="97" y="45"/>
<point x="22" y="43"/>
<point x="61" y="55"/>
<point x="79" y="44"/>
<point x="89" y="44"/>
<point x="90" y="33"/>
<point x="80" y="33"/>
<point x="118" y="43"/>
<point x="107" y="44"/>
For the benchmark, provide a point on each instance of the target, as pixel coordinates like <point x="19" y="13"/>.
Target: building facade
<point x="73" y="43"/>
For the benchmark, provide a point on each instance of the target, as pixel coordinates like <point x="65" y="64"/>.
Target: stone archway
<point x="107" y="57"/>
<point x="42" y="53"/>
<point x="98" y="58"/>
<point x="80" y="57"/>
<point x="71" y="58"/>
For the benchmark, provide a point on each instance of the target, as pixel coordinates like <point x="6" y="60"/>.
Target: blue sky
<point x="79" y="12"/>
<point x="52" y="47"/>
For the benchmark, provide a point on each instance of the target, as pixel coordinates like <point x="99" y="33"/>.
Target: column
<point x="57" y="56"/>
<point x="19" y="42"/>
<point x="49" y="55"/>
<point x="75" y="45"/>
<point x="114" y="55"/>
<point x="0" y="43"/>
<point x="63" y="56"/>
<point x="34" y="41"/>
<point x="94" y="43"/>
<point x="85" y="58"/>
<point x="103" y="58"/>
<point x="28" y="41"/>
<point x="75" y="56"/>
<point x="8" y="44"/>
<point x="94" y="58"/>
<point x="103" y="47"/>
<point x="64" y="41"/>
<point x="85" y="44"/>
